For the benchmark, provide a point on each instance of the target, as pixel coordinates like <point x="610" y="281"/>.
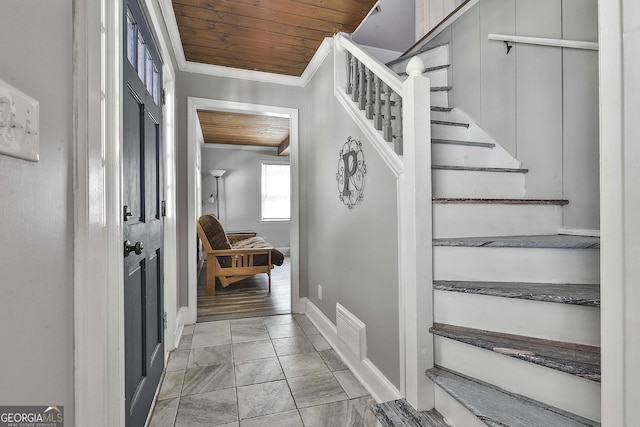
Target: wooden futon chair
<point x="231" y="257"/>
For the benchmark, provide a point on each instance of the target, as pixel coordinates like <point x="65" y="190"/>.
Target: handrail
<point x="571" y="44"/>
<point x="432" y="33"/>
<point x="377" y="67"/>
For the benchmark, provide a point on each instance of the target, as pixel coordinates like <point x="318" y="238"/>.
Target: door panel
<point x="142" y="226"/>
<point x="133" y="161"/>
<point x="153" y="166"/>
<point x="134" y="295"/>
<point x="153" y="308"/>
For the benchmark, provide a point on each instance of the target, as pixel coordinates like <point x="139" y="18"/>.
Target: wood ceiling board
<point x="206" y="20"/>
<point x="230" y="35"/>
<point x="224" y="8"/>
<point x="257" y="58"/>
<point x="281" y="68"/>
<point x="220" y="127"/>
<point x="294" y="7"/>
<point x="275" y="36"/>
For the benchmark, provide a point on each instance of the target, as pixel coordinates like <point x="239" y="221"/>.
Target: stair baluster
<point x="354" y="78"/>
<point x="386" y="122"/>
<point x="377" y="116"/>
<point x="369" y="97"/>
<point x="349" y="85"/>
<point x="362" y="81"/>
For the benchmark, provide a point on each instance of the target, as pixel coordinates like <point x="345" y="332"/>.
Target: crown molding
<point x="237" y="73"/>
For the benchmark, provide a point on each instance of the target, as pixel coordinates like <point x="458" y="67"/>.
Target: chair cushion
<point x="214" y="232"/>
<point x="258" y="242"/>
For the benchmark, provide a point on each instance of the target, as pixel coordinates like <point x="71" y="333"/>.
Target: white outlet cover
<point x="19" y="124"/>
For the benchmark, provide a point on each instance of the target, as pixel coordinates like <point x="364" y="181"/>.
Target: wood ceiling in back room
<point x="274" y="36"/>
<point x="219" y="127"/>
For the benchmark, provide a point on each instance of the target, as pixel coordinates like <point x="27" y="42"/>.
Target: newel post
<point x="415" y="238"/>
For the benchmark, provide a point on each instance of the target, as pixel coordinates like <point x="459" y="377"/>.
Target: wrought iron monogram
<point x="351" y="173"/>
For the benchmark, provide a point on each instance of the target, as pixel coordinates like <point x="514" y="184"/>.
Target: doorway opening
<point x="228" y="196"/>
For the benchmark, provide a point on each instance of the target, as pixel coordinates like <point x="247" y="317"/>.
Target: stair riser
<point x="438" y="77"/>
<point x="561" y="322"/>
<point x="542" y="265"/>
<point x="477" y="184"/>
<point x="453" y="411"/>
<point x="463" y="155"/>
<point x="568" y="392"/>
<point x="483" y="220"/>
<point x="440" y="99"/>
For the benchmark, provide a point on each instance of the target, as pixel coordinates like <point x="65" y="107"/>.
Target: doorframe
<point x="98" y="270"/>
<point x="97" y="188"/>
<point x="193" y="104"/>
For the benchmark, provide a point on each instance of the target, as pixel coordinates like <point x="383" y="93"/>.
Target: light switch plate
<point x="19" y="124"/>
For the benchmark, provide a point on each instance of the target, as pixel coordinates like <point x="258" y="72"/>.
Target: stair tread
<point x="458" y="142"/>
<point x="478" y="169"/>
<point x="557" y="241"/>
<point x="575" y="359"/>
<point x="444" y="201"/>
<point x="565" y="293"/>
<point x="497" y="407"/>
<point x="441" y="109"/>
<point x="398" y="413"/>
<point x="449" y="123"/>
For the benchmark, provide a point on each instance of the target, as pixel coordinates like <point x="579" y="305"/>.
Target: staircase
<point x="516" y="324"/>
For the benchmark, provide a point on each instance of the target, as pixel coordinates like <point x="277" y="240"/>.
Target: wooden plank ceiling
<point x="275" y="36"/>
<point x="219" y="127"/>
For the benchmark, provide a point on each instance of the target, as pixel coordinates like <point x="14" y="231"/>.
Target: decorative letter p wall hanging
<point x="351" y="173"/>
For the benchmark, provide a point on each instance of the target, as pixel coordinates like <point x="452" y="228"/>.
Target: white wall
<point x="352" y="253"/>
<point x="240" y="191"/>
<point x="620" y="172"/>
<point x="540" y="103"/>
<point x="429" y="13"/>
<point x="36" y="213"/>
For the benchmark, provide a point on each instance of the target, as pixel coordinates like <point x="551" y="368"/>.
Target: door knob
<point x="128" y="248"/>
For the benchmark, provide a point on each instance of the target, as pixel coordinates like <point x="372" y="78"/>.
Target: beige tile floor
<point x="259" y="372"/>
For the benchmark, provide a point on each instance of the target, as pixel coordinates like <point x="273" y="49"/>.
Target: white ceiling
<point x="393" y="28"/>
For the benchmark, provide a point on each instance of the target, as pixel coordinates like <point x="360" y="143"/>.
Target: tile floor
<point x="259" y="372"/>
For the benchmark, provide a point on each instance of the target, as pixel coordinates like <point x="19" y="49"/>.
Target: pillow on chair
<point x="214" y="231"/>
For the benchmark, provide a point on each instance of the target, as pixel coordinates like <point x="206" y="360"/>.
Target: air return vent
<point x="352" y="332"/>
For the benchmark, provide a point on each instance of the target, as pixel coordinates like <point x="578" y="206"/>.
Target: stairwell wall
<point x="540" y="103"/>
<point x="352" y="253"/>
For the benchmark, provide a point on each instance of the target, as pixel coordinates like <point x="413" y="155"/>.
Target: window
<point x="276" y="192"/>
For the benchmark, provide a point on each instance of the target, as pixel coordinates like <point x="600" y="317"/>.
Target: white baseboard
<point x="181" y="318"/>
<point x="380" y="388"/>
<point x="579" y="232"/>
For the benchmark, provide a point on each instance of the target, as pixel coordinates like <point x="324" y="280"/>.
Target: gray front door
<point x="142" y="213"/>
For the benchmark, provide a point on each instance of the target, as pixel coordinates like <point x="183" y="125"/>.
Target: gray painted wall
<point x="352" y="253"/>
<point x="540" y="103"/>
<point x="219" y="88"/>
<point x="240" y="191"/>
<point x="36" y="213"/>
